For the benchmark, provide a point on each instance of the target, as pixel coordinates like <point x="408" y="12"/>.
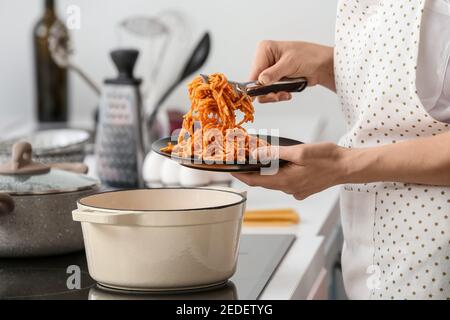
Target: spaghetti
<point x="210" y="129"/>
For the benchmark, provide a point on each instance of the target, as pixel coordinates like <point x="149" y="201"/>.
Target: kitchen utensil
<point x="195" y="62"/>
<point x="144" y="26"/>
<point x="271" y="217"/>
<point x="61" y="50"/>
<point x="119" y="142"/>
<point x="248" y="166"/>
<point x="51" y="146"/>
<point x="254" y="88"/>
<point x="149" y="29"/>
<point x="35" y="206"/>
<point x="161" y="239"/>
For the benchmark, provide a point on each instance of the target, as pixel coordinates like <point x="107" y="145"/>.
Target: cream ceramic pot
<point x="161" y="239"/>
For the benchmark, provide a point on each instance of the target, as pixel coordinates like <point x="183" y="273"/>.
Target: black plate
<point x="222" y="167"/>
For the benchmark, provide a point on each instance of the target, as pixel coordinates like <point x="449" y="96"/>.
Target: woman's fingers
<point x="294" y="154"/>
<point x="310" y="168"/>
<point x="268" y="67"/>
<point x="257" y="180"/>
<point x="284" y="96"/>
<point x="266" y="153"/>
<point x="275" y="72"/>
<point x="271" y="97"/>
<point x="263" y="59"/>
<point x="275" y="97"/>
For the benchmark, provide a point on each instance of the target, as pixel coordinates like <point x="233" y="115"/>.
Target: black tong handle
<point x="286" y="85"/>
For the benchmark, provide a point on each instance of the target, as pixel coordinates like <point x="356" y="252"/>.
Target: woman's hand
<point x="277" y="59"/>
<point x="311" y="168"/>
<point x="315" y="167"/>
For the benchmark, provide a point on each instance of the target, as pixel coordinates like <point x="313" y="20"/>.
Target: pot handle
<point x="6" y="203"/>
<point x="100" y="217"/>
<point x="76" y="167"/>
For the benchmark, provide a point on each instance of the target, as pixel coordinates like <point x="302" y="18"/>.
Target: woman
<point x="394" y="161"/>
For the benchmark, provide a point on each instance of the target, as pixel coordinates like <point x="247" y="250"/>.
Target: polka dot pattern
<point x="411" y="235"/>
<point x="375" y="67"/>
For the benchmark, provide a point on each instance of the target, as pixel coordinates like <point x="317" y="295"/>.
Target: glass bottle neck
<point x="49" y="9"/>
<point x="50" y="4"/>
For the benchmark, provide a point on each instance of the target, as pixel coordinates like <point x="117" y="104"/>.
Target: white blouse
<point x="433" y="66"/>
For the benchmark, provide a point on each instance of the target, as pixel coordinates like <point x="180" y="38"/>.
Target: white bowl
<point x="170" y="173"/>
<point x="220" y="177"/>
<point x="193" y="178"/>
<point x="152" y="166"/>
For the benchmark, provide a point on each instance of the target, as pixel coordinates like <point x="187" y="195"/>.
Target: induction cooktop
<point x="67" y="277"/>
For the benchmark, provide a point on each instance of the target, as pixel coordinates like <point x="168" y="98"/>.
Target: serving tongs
<point x="254" y="88"/>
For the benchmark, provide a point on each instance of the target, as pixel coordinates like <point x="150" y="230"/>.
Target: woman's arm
<point x="315" y="167"/>
<point x="277" y="59"/>
<point x="423" y="161"/>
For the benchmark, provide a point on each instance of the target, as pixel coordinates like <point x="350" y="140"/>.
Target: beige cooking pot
<point x="161" y="239"/>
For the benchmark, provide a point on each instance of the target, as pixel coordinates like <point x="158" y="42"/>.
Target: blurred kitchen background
<point x="235" y="28"/>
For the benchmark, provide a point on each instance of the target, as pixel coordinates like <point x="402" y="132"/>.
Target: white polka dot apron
<point x="397" y="236"/>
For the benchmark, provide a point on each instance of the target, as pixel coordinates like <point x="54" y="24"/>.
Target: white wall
<point x="236" y="27"/>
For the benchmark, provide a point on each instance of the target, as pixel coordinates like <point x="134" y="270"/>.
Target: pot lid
<point x="54" y="181"/>
<point x="23" y="176"/>
<point x="49" y="141"/>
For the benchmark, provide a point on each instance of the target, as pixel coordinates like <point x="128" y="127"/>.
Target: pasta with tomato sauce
<point x="210" y="129"/>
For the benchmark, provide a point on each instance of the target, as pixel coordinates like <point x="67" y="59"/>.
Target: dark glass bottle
<point x="51" y="80"/>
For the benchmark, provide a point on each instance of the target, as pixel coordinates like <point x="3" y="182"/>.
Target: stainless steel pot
<point x="36" y="201"/>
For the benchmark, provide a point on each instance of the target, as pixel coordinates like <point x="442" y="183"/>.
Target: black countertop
<point x="67" y="276"/>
